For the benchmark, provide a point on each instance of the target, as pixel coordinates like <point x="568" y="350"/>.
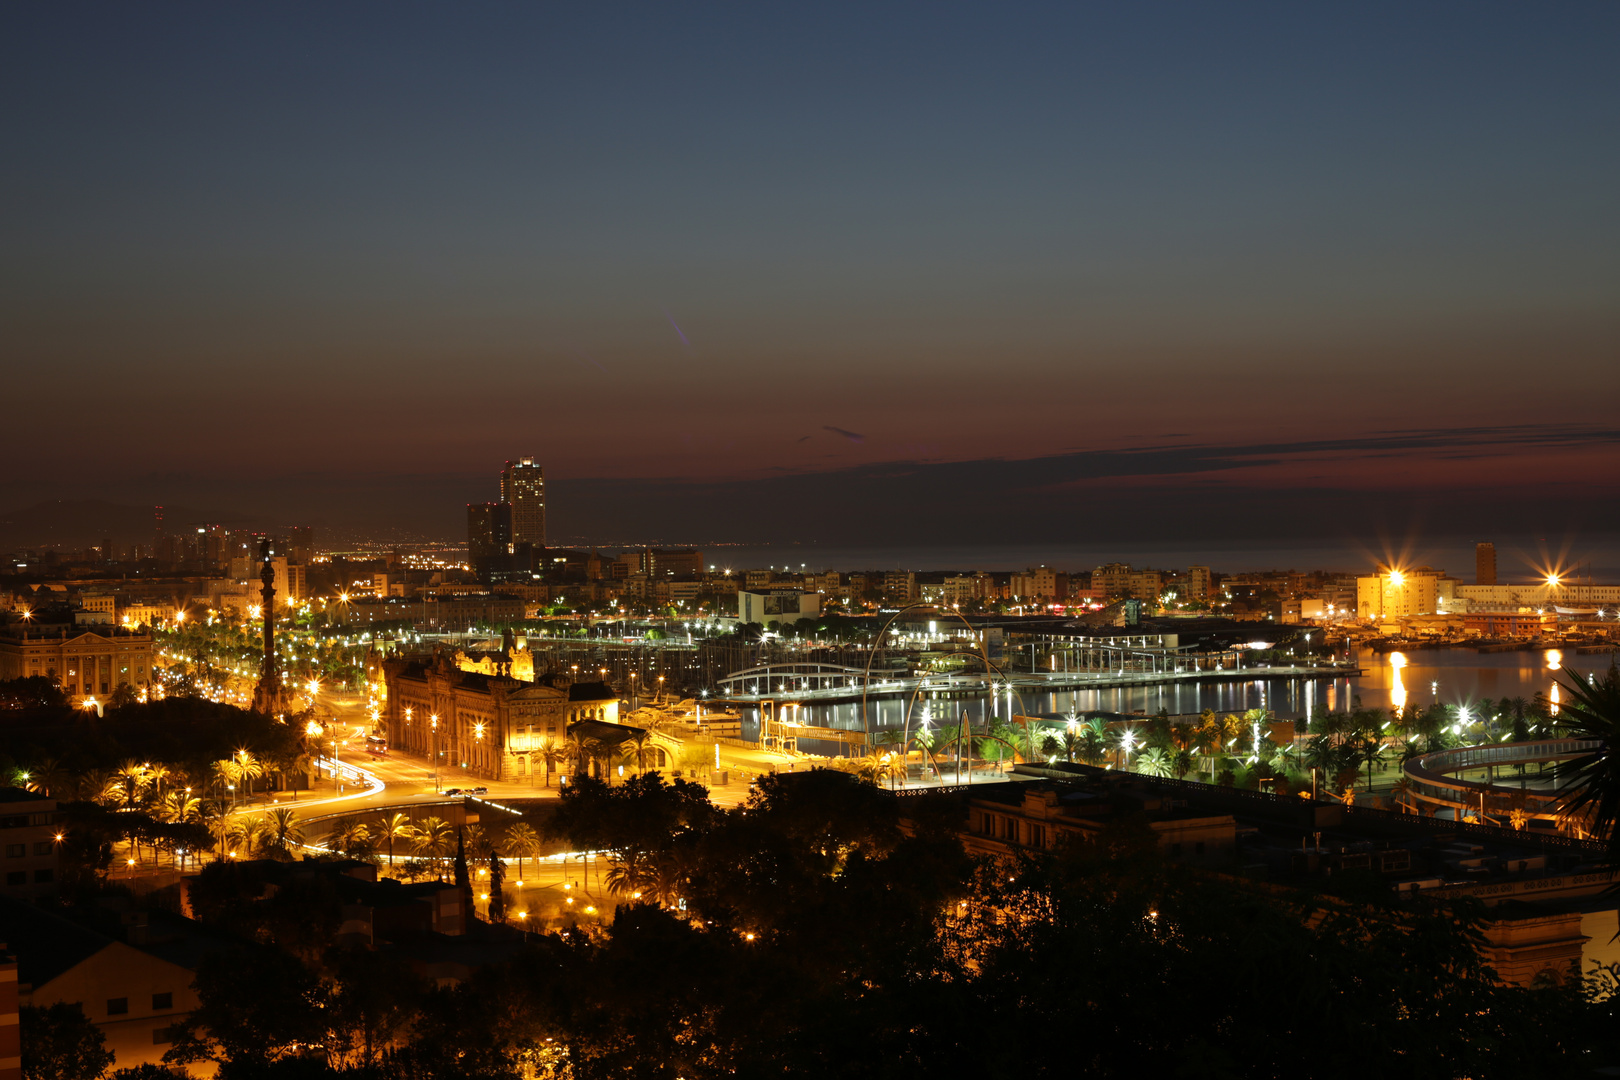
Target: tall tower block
<point x="523" y="488"/>
<point x="1484" y="563"/>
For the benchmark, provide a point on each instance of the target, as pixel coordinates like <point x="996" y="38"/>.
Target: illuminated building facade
<point x="89" y="664"/>
<point x="1400" y="594"/>
<point x="777" y="605"/>
<point x="1484" y="564"/>
<point x="523" y="488"/>
<point x="1041" y="583"/>
<point x="1196" y="584"/>
<point x="28" y="829"/>
<point x="489" y="726"/>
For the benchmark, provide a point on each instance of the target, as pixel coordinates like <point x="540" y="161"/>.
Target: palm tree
<point x="228" y="773"/>
<point x="51" y="779"/>
<point x="1183" y="737"/>
<point x="178" y="807"/>
<point x="132" y="775"/>
<point x="630" y="874"/>
<point x="604" y="755"/>
<point x="1208" y="742"/>
<point x="99" y="785"/>
<point x="1155" y="762"/>
<point x="1284" y="757"/>
<point x="243" y="833"/>
<point x="249" y="768"/>
<point x="303" y="761"/>
<point x="551" y="755"/>
<point x="282" y="829"/>
<point x="623" y="753"/>
<point x="394" y="827"/>
<point x="156" y="773"/>
<point x="638" y="749"/>
<point x="524" y="842"/>
<point x="349" y="835"/>
<point x="432" y="841"/>
<point x="1516" y="708"/>
<point x="212" y="813"/>
<point x="1589" y="786"/>
<point x="580" y="751"/>
<point x="1250" y="720"/>
<point x="1403" y="792"/>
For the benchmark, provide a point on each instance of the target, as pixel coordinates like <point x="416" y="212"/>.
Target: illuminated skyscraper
<point x="523" y="488"/>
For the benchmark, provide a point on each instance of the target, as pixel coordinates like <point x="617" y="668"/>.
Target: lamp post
<point x="433" y="724"/>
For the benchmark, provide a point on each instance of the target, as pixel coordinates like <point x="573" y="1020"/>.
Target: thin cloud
<point x="850" y="435"/>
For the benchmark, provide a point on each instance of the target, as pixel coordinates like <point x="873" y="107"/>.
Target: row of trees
<point x="227" y="645"/>
<point x="1342" y="748"/>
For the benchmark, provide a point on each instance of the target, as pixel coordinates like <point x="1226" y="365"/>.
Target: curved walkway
<point x="1430" y="780"/>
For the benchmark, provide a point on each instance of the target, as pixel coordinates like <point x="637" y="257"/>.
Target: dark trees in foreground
<point x="818" y="939"/>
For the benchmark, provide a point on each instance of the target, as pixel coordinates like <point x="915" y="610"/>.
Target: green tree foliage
<point x="260" y="1008"/>
<point x="146" y="1070"/>
<point x="60" y="1043"/>
<point x="812" y="932"/>
<point x="1590" y="784"/>
<point x="298" y="914"/>
<point x="374" y="995"/>
<point x="638" y="815"/>
<point x="35" y="691"/>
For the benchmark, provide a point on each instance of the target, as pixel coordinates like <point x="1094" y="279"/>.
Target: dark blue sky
<point x="721" y="243"/>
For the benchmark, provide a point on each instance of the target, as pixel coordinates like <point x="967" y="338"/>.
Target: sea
<point x="1519" y="557"/>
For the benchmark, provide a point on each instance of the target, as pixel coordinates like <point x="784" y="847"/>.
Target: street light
<point x="433" y="723"/>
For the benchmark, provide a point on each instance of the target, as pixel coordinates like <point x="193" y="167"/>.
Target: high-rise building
<point x="523" y="488"/>
<point x="489" y="536"/>
<point x="1111" y="581"/>
<point x="301" y="543"/>
<point x="1484" y="564"/>
<point x="1396" y="594"/>
<point x="1197" y="584"/>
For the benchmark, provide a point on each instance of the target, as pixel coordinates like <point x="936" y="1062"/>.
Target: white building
<point x="777" y="605"/>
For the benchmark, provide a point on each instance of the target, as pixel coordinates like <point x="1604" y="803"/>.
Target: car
<point x="477" y="791"/>
<point x="452" y="791"/>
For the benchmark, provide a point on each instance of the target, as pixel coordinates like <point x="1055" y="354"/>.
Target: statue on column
<point x="268" y="696"/>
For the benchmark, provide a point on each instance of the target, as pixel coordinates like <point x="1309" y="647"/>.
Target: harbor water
<point x="1415" y="679"/>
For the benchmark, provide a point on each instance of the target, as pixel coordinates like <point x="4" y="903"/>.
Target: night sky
<point x="839" y="272"/>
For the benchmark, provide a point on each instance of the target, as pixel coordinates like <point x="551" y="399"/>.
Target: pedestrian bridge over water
<point x="804" y="682"/>
<point x="1431" y="782"/>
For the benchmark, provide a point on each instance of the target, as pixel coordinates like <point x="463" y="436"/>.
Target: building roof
<point x="591" y="691"/>
<point x="602" y="732"/>
<point x="46" y="944"/>
<point x="17" y="795"/>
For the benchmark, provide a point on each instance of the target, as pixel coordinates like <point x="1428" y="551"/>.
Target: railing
<point x="1427" y="774"/>
<point x="1520" y="753"/>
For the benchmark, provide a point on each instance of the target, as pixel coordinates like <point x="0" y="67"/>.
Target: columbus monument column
<point x="268" y="696"/>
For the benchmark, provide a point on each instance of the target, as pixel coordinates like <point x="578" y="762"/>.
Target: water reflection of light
<point x="1553" y="698"/>
<point x="1555" y="659"/>
<point x="1397" y="688"/>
